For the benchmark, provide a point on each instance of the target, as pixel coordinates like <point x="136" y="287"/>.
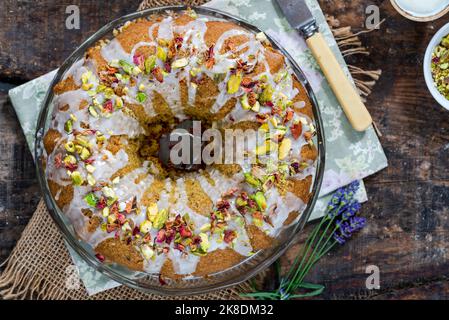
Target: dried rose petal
<point x="296" y="130"/>
<point x="138" y="60"/>
<point x="121" y="218"/>
<point x="223" y="205"/>
<point x="185" y="232"/>
<point x="229" y="236"/>
<point x="108" y="107"/>
<point x="180" y="247"/>
<point x="288" y="116"/>
<point x="89" y="161"/>
<point x="167" y="67"/>
<point x="160" y="237"/>
<point x="71" y="166"/>
<point x="111" y="227"/>
<point x="295" y="166"/>
<point x="88" y="132"/>
<point x="162" y="281"/>
<point x="157" y="73"/>
<point x="58" y="160"/>
<point x="130" y="204"/>
<point x="230" y="192"/>
<point x="100" y="257"/>
<point x="101" y="204"/>
<point x="178" y="42"/>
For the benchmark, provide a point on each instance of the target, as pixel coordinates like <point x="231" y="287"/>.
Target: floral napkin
<point x="350" y="155"/>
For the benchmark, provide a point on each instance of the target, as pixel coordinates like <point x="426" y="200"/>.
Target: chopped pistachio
<point x="145" y="226"/>
<point x="126" y="66"/>
<point x="180" y="63"/>
<point x="267" y="94"/>
<point x="108" y="93"/>
<point x="256" y="107"/>
<point x="116" y="180"/>
<point x="112" y="218"/>
<point x="250" y="179"/>
<point x="244" y="102"/>
<point x="114" y="63"/>
<point x="141" y="87"/>
<point x="195" y="71"/>
<point x="70" y="159"/>
<point x="147" y="252"/>
<point x="280" y="75"/>
<point x="101" y="137"/>
<point x="205" y="227"/>
<point x="240" y="202"/>
<point x="90" y="179"/>
<point x="68" y="126"/>
<point x="150" y="63"/>
<point x="93" y="112"/>
<point x="265" y="148"/>
<point x="141" y="97"/>
<point x="136" y="70"/>
<point x="85" y="154"/>
<point x="161" y="54"/>
<point x="101" y="88"/>
<point x="152" y="211"/>
<point x="70" y="146"/>
<point x="160" y="219"/>
<point x="90" y="168"/>
<point x="108" y="192"/>
<point x="85" y="76"/>
<point x="105" y="212"/>
<point x="82" y="142"/>
<point x="118" y="102"/>
<point x="126" y="227"/>
<point x="234" y="83"/>
<point x="204" y="242"/>
<point x="77" y="179"/>
<point x="91" y="199"/>
<point x="260" y="199"/>
<point x="264" y="127"/>
<point x="87" y="86"/>
<point x="284" y="148"/>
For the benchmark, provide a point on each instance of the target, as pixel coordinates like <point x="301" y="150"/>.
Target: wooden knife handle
<point x="345" y="92"/>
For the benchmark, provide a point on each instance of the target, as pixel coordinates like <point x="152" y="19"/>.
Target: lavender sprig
<point x="336" y="227"/>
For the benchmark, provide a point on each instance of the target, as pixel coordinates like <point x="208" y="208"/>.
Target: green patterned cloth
<point x="350" y="155"/>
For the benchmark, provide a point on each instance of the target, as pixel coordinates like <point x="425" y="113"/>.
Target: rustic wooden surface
<point x="408" y="226"/>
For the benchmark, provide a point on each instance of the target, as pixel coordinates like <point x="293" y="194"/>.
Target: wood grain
<point x="408" y="226"/>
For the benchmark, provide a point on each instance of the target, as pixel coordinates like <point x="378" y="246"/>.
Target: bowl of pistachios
<point x="436" y="66"/>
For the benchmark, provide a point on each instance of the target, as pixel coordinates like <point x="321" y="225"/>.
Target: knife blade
<point x="299" y="16"/>
<point x="301" y="19"/>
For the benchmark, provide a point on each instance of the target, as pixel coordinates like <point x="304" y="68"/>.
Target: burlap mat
<point x="36" y="268"/>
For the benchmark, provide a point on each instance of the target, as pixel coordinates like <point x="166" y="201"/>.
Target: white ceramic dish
<point x="426" y="65"/>
<point x="421" y="10"/>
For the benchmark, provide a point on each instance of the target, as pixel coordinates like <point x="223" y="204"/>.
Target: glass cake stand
<point x="241" y="272"/>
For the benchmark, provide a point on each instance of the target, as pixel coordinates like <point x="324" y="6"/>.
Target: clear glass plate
<point x="247" y="268"/>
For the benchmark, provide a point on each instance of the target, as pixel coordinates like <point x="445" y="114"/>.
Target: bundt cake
<point x="110" y="114"/>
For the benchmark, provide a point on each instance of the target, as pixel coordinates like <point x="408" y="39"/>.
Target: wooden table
<point x="407" y="235"/>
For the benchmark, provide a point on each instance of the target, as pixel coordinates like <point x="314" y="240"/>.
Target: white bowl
<point x="421" y="11"/>
<point x="427" y="61"/>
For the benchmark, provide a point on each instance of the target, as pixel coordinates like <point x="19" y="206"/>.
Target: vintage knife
<point x="301" y="19"/>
